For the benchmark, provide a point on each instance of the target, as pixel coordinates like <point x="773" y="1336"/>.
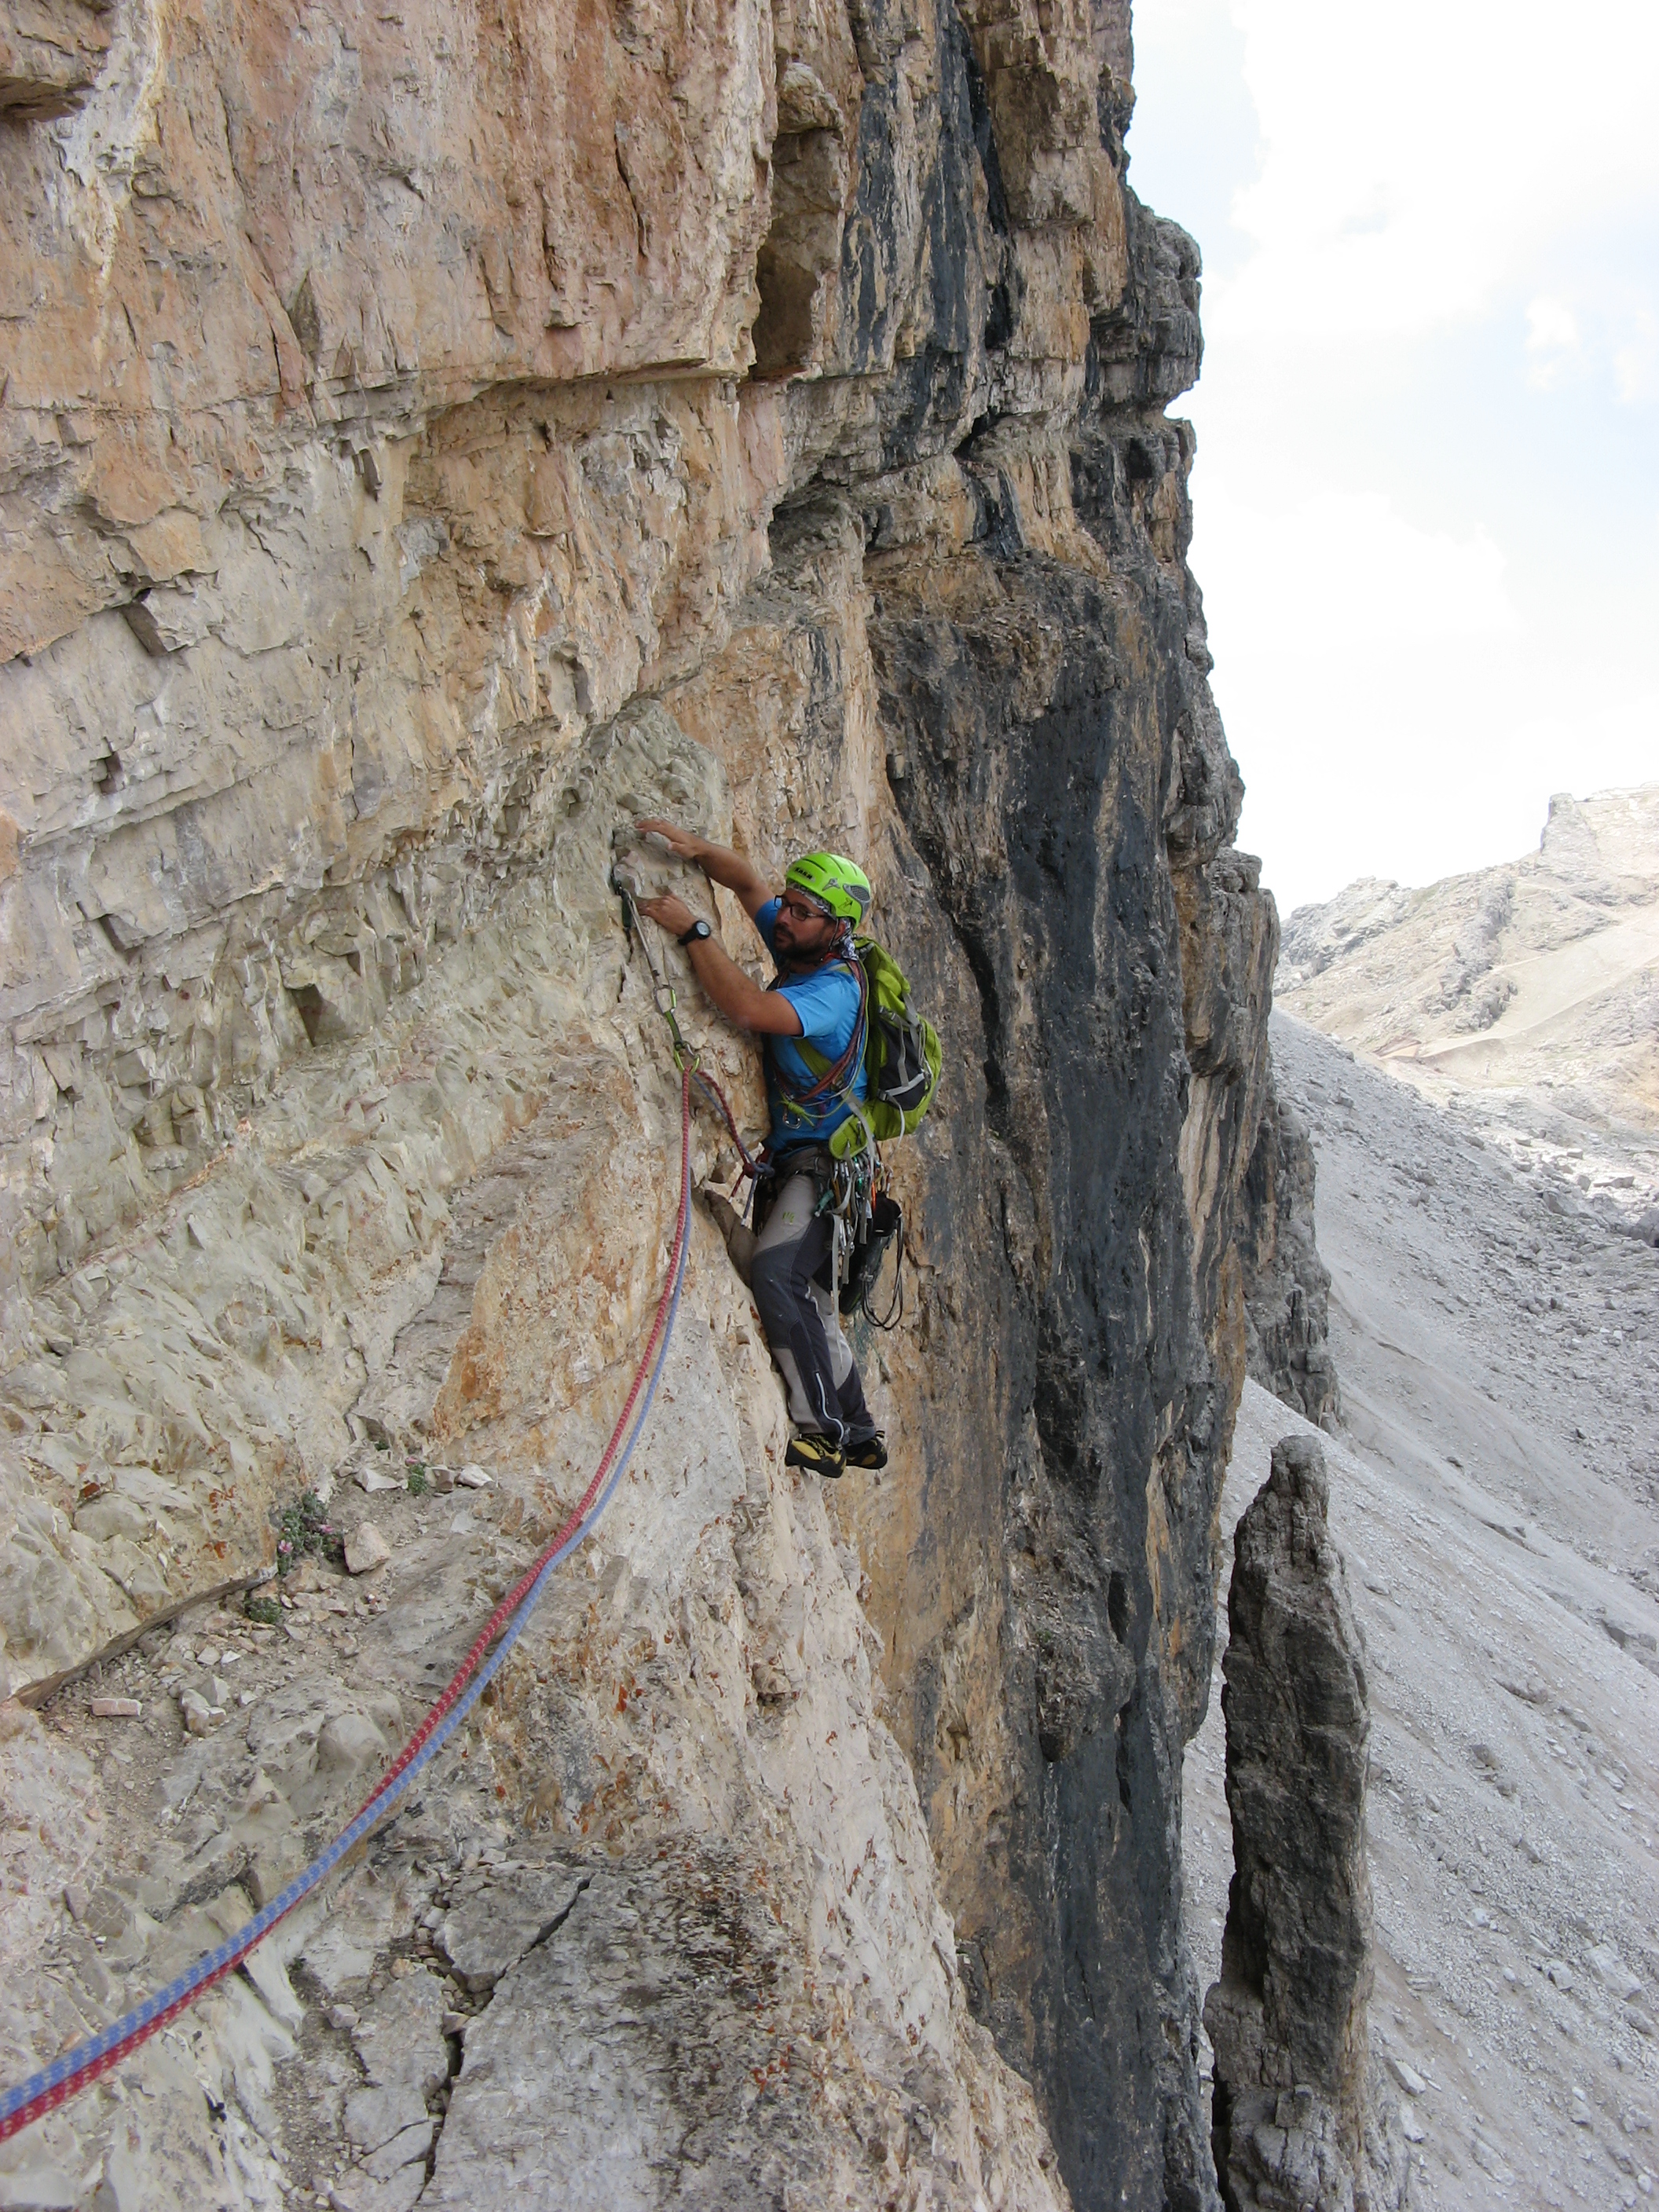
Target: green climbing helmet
<point x="840" y="886"/>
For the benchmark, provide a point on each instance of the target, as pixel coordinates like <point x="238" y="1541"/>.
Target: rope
<point x="716" y="1097"/>
<point x="74" y="2069"/>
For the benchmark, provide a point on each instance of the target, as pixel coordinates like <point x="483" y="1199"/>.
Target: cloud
<point x="1345" y="566"/>
<point x="1418" y="161"/>
<point x="1552" y="343"/>
<point x="1394" y="711"/>
<point x="1636" y="362"/>
<point x="1428" y="461"/>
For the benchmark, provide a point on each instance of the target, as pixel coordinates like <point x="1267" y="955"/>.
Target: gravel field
<point x="1494" y="1490"/>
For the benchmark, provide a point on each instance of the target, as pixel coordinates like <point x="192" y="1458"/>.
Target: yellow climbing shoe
<point x="868" y="1451"/>
<point x="816" y="1454"/>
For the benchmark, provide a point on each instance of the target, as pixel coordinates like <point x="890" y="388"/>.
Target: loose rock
<point x="366" y="1548"/>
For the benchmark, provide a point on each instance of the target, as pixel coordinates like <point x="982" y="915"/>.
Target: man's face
<point x="800" y="931"/>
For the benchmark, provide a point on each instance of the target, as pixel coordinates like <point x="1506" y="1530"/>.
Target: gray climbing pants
<point x="792" y="1275"/>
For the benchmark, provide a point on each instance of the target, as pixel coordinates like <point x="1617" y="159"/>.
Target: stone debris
<point x="366" y="1548"/>
<point x="197" y="1715"/>
<point x="473" y="1477"/>
<point x="116" y="1709"/>
<point x="1408" y="2077"/>
<point x="1485" y="1547"/>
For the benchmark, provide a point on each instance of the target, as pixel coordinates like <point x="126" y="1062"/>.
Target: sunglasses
<point x="798" y="911"/>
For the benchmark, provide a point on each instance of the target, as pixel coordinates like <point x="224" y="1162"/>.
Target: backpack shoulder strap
<point x="837" y="1076"/>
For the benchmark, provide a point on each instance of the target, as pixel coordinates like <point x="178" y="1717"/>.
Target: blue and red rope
<point x="74" y="2069"/>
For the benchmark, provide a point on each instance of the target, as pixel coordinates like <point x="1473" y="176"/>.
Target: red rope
<point x="515" y="1596"/>
<point x="59" y="2092"/>
<point x="717" y="1099"/>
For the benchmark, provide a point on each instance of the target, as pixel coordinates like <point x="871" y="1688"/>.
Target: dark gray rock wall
<point x="1286" y="1284"/>
<point x="1065" y="806"/>
<point x="1288" y="2018"/>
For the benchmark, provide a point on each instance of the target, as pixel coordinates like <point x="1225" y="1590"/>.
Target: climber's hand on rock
<point x="669" y="913"/>
<point x="684" y="844"/>
<point x="717" y="862"/>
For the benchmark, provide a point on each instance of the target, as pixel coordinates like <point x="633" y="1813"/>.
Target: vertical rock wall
<point x="425" y="439"/>
<point x="1287" y="1286"/>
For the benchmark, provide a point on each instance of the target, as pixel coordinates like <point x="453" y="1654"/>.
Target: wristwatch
<point x="696" y="934"/>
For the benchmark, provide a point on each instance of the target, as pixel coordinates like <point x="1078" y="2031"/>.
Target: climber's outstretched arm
<point x="740" y="998"/>
<point x="717" y="862"/>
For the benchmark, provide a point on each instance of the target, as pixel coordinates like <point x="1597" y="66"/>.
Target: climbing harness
<point x="72" y="2070"/>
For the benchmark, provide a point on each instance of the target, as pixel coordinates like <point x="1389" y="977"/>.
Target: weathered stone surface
<point x="50" y="52"/>
<point x="1287" y="2019"/>
<point x="1286" y="1284"/>
<point x="497" y="1920"/>
<point x="390" y="517"/>
<point x="405" y="2060"/>
<point x="366" y="1548"/>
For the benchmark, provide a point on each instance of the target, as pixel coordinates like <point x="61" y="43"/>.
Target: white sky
<point x="1427" y="491"/>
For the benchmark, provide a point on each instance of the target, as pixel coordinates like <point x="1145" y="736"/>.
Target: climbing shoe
<point x="868" y="1451"/>
<point x="816" y="1454"/>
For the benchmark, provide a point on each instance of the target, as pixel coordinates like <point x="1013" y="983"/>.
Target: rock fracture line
<point x="74" y="2069"/>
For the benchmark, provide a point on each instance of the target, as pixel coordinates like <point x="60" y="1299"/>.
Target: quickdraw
<point x="687" y="1058"/>
<point x="664" y="997"/>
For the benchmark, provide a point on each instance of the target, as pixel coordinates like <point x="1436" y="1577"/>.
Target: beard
<point x="795" y="953"/>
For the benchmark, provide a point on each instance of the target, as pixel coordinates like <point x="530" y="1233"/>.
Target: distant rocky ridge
<point x="1526" y="996"/>
<point x="429" y="439"/>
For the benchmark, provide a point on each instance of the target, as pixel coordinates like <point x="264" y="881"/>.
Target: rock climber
<point x="815" y="1000"/>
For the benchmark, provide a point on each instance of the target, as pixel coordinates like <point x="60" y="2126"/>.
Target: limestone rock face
<point x="429" y="439"/>
<point x="50" y="55"/>
<point x="1287" y="2019"/>
<point x="1525" y="997"/>
<point x="1286" y="1284"/>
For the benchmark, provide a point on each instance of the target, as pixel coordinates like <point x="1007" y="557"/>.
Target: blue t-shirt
<point x="827" y="1001"/>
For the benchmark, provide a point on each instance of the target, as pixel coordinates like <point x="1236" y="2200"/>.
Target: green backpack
<point x="900" y="1057"/>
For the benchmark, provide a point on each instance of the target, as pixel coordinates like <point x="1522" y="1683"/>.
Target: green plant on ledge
<point x="304" y="1527"/>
